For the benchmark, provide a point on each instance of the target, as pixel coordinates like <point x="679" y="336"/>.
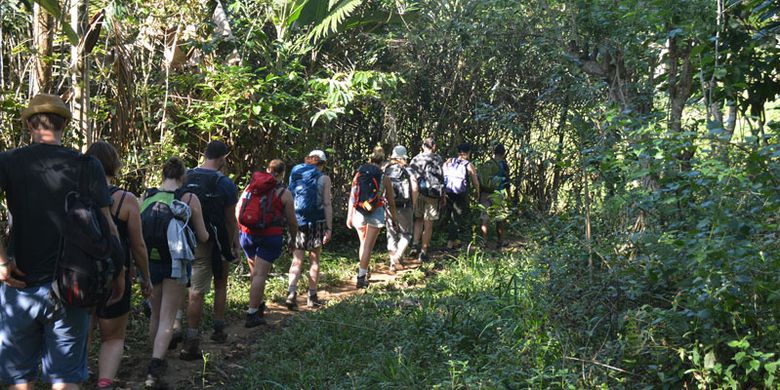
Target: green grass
<point x="477" y="324"/>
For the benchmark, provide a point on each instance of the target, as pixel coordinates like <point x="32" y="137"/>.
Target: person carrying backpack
<point x="459" y="176"/>
<point x="430" y="182"/>
<point x="311" y="191"/>
<point x="42" y="184"/>
<point x="112" y="319"/>
<point x="371" y="192"/>
<point x="167" y="215"/>
<point x="264" y="208"/>
<point x="218" y="195"/>
<point x="494" y="182"/>
<point x="399" y="231"/>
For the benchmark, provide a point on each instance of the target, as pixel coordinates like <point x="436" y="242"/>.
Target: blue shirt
<point x="226" y="186"/>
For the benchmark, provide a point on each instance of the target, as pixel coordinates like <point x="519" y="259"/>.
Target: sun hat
<point x="399" y="152"/>
<point x="44" y="103"/>
<point x="318" y="153"/>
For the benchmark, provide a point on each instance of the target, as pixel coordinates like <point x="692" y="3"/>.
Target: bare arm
<point x="351" y="206"/>
<point x="135" y="235"/>
<point x="327" y="202"/>
<point x="8" y="270"/>
<point x="474" y="178"/>
<point x="197" y="219"/>
<point x="415" y="190"/>
<point x="231" y="222"/>
<point x="289" y="212"/>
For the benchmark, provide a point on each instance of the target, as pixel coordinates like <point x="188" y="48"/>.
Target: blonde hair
<point x="378" y="156"/>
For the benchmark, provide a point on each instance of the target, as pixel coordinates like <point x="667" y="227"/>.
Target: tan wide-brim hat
<point x="44" y="103"/>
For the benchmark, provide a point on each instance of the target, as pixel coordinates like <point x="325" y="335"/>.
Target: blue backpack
<point x="303" y="186"/>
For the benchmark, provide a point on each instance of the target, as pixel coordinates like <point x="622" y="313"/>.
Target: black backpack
<point x="90" y="257"/>
<point x="402" y="184"/>
<point x="156" y="215"/>
<point x="212" y="202"/>
<point x="368" y="196"/>
<point x="431" y="180"/>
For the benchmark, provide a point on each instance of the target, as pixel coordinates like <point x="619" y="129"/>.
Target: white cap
<point x="318" y="153"/>
<point x="400" y="153"/>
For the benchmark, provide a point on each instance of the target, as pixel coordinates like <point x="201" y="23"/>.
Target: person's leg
<point x="200" y="285"/>
<point x="451" y="217"/>
<point x="172" y="292"/>
<point x="21" y="335"/>
<point x="314" y="269"/>
<point x="295" y="270"/>
<point x="65" y="386"/>
<point x="367" y="245"/>
<point x="427" y="234"/>
<point x="500" y="232"/>
<point x="257" y="288"/>
<point x="220" y="303"/>
<point x="154" y="319"/>
<point x="64" y="360"/>
<point x="112" y="343"/>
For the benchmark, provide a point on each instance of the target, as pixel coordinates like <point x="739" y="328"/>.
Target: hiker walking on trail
<point x="263" y="210"/>
<point x="311" y="191"/>
<point x="168" y="217"/>
<point x="399" y="231"/>
<point x="371" y="192"/>
<point x="112" y="319"/>
<point x="54" y="195"/>
<point x="218" y="195"/>
<point x="493" y="184"/>
<point x="427" y="167"/>
<point x="459" y="178"/>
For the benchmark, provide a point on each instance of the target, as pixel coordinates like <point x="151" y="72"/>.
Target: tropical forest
<point x="641" y="213"/>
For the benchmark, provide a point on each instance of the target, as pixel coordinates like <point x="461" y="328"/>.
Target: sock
<point x="362" y="272"/>
<point x="179" y="314"/>
<point x="192" y="333"/>
<point x="104" y="382"/>
<point x="252" y="311"/>
<point x="219" y="325"/>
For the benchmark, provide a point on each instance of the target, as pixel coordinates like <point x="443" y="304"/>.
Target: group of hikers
<point x="78" y="242"/>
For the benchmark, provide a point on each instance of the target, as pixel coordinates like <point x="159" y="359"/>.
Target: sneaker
<point x="154" y="374"/>
<point x="424" y="256"/>
<point x="392" y="268"/>
<point x="178" y="336"/>
<point x="254" y="319"/>
<point x="313" y="301"/>
<point x="362" y="281"/>
<point x="291" y="301"/>
<point x="191" y="350"/>
<point x="219" y="336"/>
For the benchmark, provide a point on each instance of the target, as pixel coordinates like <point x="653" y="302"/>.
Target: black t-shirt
<point x="36" y="180"/>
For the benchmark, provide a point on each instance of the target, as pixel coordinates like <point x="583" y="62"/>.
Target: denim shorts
<point x="268" y="248"/>
<point x="34" y="332"/>
<point x="376" y="218"/>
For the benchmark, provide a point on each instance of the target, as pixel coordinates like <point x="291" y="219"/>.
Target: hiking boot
<point x="256" y="318"/>
<point x="178" y="336"/>
<point x="191" y="350"/>
<point x="362" y="281"/>
<point x="313" y="301"/>
<point x="291" y="301"/>
<point x="414" y="251"/>
<point x="424" y="257"/>
<point x="219" y="336"/>
<point x="154" y="374"/>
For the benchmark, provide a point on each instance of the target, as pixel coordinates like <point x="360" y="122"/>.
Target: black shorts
<point x="120" y="308"/>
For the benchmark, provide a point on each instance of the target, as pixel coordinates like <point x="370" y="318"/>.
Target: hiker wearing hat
<point x="36" y="180"/>
<point x="399" y="231"/>
<point x="311" y="190"/>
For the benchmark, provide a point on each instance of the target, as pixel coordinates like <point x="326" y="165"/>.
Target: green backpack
<point x="489" y="174"/>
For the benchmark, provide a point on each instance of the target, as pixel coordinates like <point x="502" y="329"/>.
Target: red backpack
<point x="262" y="207"/>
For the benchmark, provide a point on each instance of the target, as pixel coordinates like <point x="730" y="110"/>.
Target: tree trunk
<point x="80" y="74"/>
<point x="43" y="36"/>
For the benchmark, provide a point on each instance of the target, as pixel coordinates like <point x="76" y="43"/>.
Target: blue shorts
<point x="32" y="332"/>
<point x="268" y="248"/>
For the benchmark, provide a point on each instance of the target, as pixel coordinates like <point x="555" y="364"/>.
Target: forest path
<point x="222" y="367"/>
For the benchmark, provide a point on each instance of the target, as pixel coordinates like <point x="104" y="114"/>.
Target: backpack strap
<point x="121" y="201"/>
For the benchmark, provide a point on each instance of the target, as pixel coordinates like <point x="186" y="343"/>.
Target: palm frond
<point x="339" y="11"/>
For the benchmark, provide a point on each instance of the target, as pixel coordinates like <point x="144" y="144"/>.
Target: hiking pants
<point x="457" y="214"/>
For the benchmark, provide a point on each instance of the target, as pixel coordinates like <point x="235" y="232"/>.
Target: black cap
<point x="499" y="150"/>
<point x="216" y="149"/>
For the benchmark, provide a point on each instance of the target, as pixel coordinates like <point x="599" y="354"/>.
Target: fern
<point x="338" y="12"/>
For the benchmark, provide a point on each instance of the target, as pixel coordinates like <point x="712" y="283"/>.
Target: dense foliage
<point x="643" y="140"/>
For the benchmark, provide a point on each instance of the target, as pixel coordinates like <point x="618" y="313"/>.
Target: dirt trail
<point x="222" y="365"/>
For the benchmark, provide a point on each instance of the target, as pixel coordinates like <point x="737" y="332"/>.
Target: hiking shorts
<point x="267" y="248"/>
<point x="161" y="269"/>
<point x="202" y="271"/>
<point x="34" y="332"/>
<point x="310" y="236"/>
<point x="120" y="308"/>
<point x="376" y="218"/>
<point x="427" y="208"/>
